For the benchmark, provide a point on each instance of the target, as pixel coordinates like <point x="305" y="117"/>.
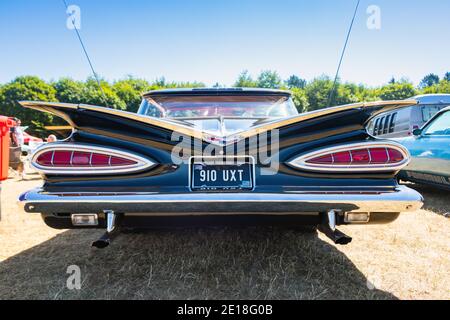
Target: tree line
<point x="125" y="94"/>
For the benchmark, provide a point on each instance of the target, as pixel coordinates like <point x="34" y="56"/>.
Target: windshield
<point x="439" y="126"/>
<point x="194" y="106"/>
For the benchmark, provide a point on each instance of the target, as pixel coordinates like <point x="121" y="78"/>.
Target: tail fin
<point x="80" y="115"/>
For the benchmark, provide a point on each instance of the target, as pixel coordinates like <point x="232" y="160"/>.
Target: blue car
<point x="430" y="152"/>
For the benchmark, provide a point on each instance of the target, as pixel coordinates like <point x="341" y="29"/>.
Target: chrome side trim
<point x="301" y="161"/>
<point x="141" y="162"/>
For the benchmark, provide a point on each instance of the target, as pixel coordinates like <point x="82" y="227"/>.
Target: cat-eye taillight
<point x="86" y="159"/>
<point x="368" y="156"/>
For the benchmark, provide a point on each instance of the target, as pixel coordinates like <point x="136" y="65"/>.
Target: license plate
<point x="222" y="173"/>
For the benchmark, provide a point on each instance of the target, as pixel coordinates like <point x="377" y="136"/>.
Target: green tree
<point x="429" y="80"/>
<point x="245" y="80"/>
<point x="187" y="84"/>
<point x="442" y="87"/>
<point x="130" y="90"/>
<point x="346" y="93"/>
<point x="27" y="88"/>
<point x="397" y="91"/>
<point x="318" y="92"/>
<point x="105" y="97"/>
<point x="447" y="76"/>
<point x="68" y="90"/>
<point x="300" y="99"/>
<point x="295" y="82"/>
<point x="161" y="83"/>
<point x="269" y="79"/>
<point x="367" y="94"/>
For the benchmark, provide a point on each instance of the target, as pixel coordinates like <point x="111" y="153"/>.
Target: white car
<point x="402" y="122"/>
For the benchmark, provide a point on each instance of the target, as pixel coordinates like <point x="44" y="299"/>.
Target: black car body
<point x="325" y="169"/>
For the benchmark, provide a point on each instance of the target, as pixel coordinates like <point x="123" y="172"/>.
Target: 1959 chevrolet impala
<point x="219" y="152"/>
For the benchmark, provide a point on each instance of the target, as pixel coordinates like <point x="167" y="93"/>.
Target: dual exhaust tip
<point x="102" y="242"/>
<point x="91" y="220"/>
<point x="328" y="226"/>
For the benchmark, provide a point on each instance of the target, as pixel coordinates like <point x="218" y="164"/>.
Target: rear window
<point x="199" y="106"/>
<point x="428" y="112"/>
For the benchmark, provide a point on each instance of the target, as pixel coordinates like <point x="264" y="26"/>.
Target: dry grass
<point x="409" y="259"/>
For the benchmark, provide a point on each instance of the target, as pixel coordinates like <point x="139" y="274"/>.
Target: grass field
<point x="408" y="259"/>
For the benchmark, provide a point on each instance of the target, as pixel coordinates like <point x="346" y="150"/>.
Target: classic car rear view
<point x="219" y="152"/>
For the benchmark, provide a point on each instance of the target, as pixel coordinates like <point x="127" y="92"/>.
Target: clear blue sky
<point x="214" y="40"/>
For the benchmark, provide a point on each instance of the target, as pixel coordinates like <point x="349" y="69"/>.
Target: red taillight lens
<point x="395" y="156"/>
<point x="63" y="158"/>
<point x="85" y="159"/>
<point x="379" y="155"/>
<point x="342" y="157"/>
<point x="99" y="160"/>
<point x="81" y="159"/>
<point x="117" y="161"/>
<point x="45" y="159"/>
<point x="324" y="159"/>
<point x="357" y="157"/>
<point x="360" y="157"/>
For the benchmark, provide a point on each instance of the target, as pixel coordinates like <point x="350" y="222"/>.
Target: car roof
<point x="433" y="98"/>
<point x="217" y="91"/>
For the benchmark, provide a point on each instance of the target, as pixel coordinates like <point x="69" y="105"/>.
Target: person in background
<point x="17" y="141"/>
<point x="51" y="138"/>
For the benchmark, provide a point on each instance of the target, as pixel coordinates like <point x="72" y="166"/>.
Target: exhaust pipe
<point x="328" y="227"/>
<point x="112" y="230"/>
<point x="103" y="241"/>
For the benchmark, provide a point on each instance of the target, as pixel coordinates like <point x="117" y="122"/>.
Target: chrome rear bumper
<point x="402" y="199"/>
